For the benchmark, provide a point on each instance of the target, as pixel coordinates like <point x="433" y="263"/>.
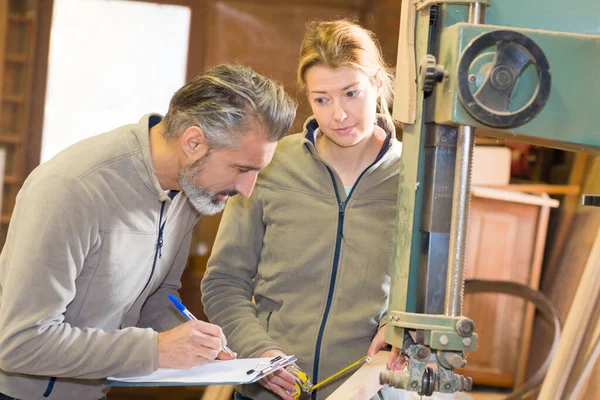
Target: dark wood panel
<point x="266" y="37"/>
<point x="383" y="18"/>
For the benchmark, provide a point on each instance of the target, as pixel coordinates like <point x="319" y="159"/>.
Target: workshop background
<point x="70" y="69"/>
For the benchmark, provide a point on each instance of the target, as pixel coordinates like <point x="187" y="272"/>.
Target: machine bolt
<point x="472" y="78"/>
<point x="469" y="384"/>
<point x="502" y="78"/>
<point x="444" y="340"/>
<point x="423" y="353"/>
<point x="447" y="386"/>
<point x="453" y="360"/>
<point x="414" y="384"/>
<point x="465" y="327"/>
<point x="467" y="341"/>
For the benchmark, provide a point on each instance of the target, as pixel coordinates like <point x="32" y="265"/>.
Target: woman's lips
<point x="345" y="130"/>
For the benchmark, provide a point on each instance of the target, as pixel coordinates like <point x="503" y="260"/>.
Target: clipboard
<point x="215" y="372"/>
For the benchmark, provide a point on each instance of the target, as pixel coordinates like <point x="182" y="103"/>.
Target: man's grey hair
<point x="228" y="101"/>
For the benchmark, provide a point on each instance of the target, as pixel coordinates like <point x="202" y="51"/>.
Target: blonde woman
<point x="313" y="243"/>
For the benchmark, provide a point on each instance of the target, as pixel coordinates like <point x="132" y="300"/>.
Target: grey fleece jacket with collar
<point x="317" y="262"/>
<point x="94" y="246"/>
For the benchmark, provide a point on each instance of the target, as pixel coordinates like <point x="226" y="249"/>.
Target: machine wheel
<point x="490" y="104"/>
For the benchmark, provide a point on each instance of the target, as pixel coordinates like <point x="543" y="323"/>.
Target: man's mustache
<point x="227" y="193"/>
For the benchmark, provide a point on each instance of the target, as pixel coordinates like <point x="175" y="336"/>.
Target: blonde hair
<point x="343" y="43"/>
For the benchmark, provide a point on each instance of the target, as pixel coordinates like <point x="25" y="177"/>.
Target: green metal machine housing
<point x="507" y="69"/>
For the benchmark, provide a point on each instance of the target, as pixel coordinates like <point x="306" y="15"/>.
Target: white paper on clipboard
<point x="216" y="372"/>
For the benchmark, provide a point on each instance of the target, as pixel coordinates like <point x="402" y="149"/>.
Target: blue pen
<point x="191" y="317"/>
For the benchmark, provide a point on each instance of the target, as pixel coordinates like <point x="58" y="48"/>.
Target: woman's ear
<point x="378" y="81"/>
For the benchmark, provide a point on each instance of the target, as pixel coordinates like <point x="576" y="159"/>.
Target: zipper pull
<point x="159" y="242"/>
<point x="341" y="217"/>
<point x="160" y="245"/>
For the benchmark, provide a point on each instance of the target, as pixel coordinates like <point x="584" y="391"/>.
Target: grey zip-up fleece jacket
<point x="93" y="248"/>
<point x="317" y="262"/>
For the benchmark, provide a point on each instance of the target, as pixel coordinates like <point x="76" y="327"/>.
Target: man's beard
<point x="203" y="199"/>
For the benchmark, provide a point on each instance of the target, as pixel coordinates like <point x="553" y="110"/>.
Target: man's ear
<point x="193" y="142"/>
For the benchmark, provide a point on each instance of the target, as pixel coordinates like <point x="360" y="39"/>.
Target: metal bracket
<point x="440" y="332"/>
<point x="590" y="200"/>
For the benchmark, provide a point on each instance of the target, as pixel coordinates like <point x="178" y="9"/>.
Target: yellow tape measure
<point x="303" y="384"/>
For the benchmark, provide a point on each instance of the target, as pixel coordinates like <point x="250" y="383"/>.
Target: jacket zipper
<point x="50" y="387"/>
<point x="338" y="244"/>
<point x="159" y="245"/>
<point x="336" y="259"/>
<point x="157" y="250"/>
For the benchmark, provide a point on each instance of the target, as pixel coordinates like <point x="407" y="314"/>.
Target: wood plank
<point x="405" y="104"/>
<point x="516" y="197"/>
<point x="364" y="383"/>
<point x="586" y="367"/>
<point x="574" y="329"/>
<point x="570" y="190"/>
<point x="567" y="252"/>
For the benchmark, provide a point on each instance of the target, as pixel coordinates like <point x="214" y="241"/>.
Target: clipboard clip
<point x="263" y="368"/>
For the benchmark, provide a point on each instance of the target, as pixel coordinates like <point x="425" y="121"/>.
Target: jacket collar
<point x="311" y="126"/>
<point x="138" y="143"/>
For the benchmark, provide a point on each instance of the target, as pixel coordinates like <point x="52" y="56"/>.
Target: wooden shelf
<point x="12" y="180"/>
<point x="10" y="138"/>
<point x="20" y="18"/>
<point x="14" y="99"/>
<point x="513" y="196"/>
<point x="569" y="190"/>
<point x="17" y="58"/>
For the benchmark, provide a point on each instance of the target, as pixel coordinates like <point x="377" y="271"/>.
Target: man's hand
<point x="191" y="344"/>
<point x="279" y="381"/>
<point x="395" y="361"/>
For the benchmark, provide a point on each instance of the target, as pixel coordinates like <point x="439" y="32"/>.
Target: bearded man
<point x="100" y="235"/>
